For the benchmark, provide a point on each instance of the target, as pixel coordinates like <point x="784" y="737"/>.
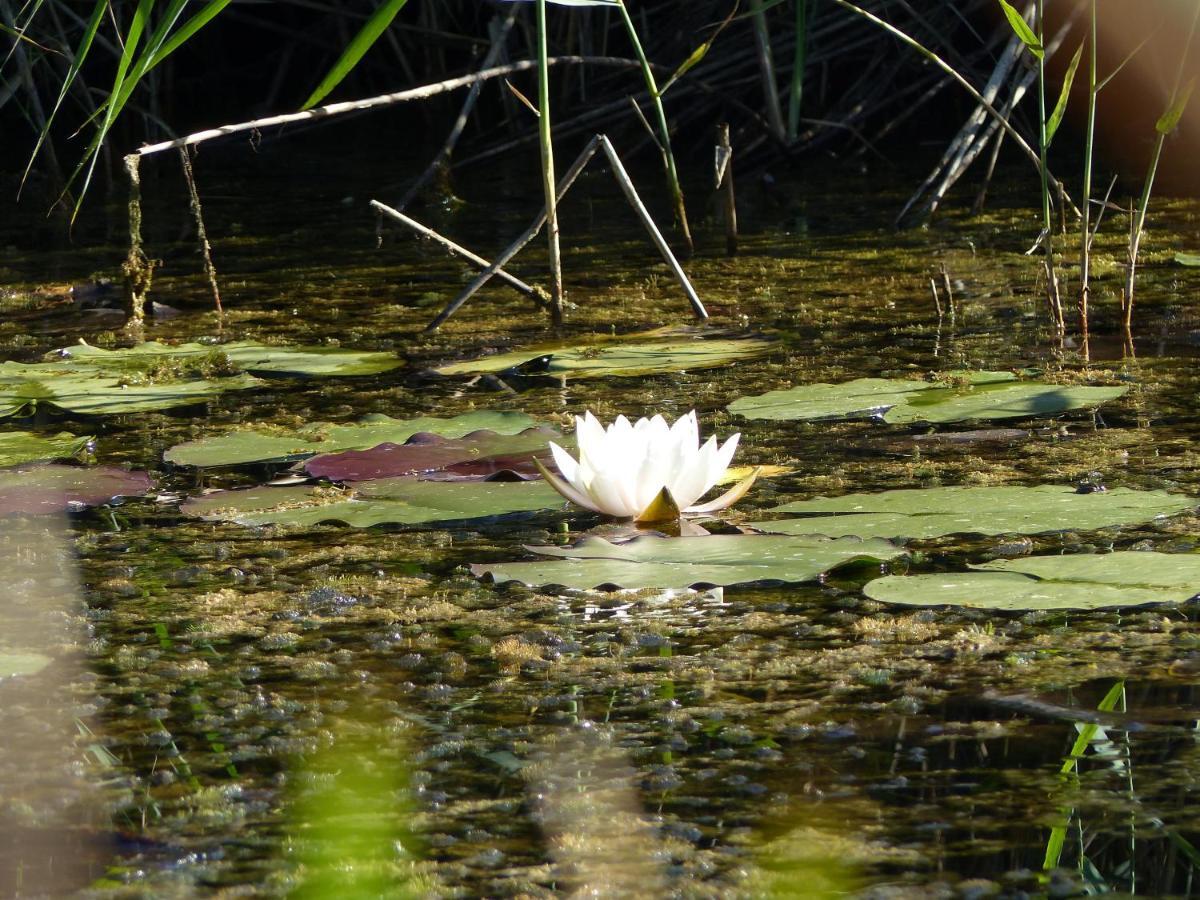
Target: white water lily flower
<point x="644" y="470"/>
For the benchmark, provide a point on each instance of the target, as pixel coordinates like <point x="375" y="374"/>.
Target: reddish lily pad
<point x="476" y="455"/>
<point x="37" y="490"/>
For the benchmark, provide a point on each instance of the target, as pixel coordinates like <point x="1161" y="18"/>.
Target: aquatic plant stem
<point x="766" y="65"/>
<point x="1139" y="222"/>
<point x="1085" y="202"/>
<point x="664" y="131"/>
<point x="1052" y="293"/>
<point x="210" y="271"/>
<point x="799" y="54"/>
<point x="547" y="152"/>
<point x="953" y="73"/>
<point x="137" y="268"/>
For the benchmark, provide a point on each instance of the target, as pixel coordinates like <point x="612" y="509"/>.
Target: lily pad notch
<point x="598" y="142"/>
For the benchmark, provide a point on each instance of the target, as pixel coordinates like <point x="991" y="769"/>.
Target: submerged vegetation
<point x="310" y="594"/>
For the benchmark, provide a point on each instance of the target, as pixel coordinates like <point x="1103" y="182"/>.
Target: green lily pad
<point x="1188" y="259"/>
<point x="255" y="446"/>
<point x="400" y="501"/>
<point x="1006" y="509"/>
<point x="975" y="395"/>
<point x="1078" y="581"/>
<point x="23" y="387"/>
<point x="15" y="662"/>
<point x="659" y="562"/>
<point x="248" y="356"/>
<point x="22" y="446"/>
<point x="152" y="376"/>
<point x="597" y="360"/>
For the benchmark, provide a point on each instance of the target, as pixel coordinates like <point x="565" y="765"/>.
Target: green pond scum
<point x="318" y="710"/>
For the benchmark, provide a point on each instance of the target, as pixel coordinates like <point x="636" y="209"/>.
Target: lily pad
<point x="679" y="562"/>
<point x="256" y="446"/>
<point x="35" y="490"/>
<point x="484" y="452"/>
<point x="1077" y="581"/>
<point x="1188" y="259"/>
<point x="22" y="446"/>
<point x="401" y="501"/>
<point x="16" y="662"/>
<point x="1006" y="509"/>
<point x="631" y="357"/>
<point x="247" y="356"/>
<point x="87" y="391"/>
<point x="975" y="395"/>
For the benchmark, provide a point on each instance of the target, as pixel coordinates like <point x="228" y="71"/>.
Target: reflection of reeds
<point x="602" y="843"/>
<point x="351" y="821"/>
<point x="54" y="831"/>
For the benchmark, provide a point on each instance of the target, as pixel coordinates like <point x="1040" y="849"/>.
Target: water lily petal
<point x="691" y="481"/>
<point x="723" y="458"/>
<point x="730" y="497"/>
<point x="606" y="491"/>
<point x="566" y="463"/>
<point x="569" y="492"/>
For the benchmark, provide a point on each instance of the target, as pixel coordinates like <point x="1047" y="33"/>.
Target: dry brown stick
<point x="210" y="270"/>
<point x="949" y="291"/>
<point x="418" y="93"/>
<point x="635" y="201"/>
<point x="536" y="293"/>
<point x="724" y="173"/>
<point x="515" y="247"/>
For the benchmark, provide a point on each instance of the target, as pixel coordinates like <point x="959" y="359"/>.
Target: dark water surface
<point x="687" y="744"/>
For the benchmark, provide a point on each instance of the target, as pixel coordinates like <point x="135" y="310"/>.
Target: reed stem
<point x="548" y="188"/>
<point x="799" y="55"/>
<point x="1139" y="222"/>
<point x="1085" y="203"/>
<point x="664" y="131"/>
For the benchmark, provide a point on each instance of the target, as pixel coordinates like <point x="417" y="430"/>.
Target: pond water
<point x="233" y="692"/>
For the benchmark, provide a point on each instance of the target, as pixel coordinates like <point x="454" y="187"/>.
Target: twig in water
<point x="724" y="177"/>
<point x="516" y="246"/>
<point x="596" y="143"/>
<point x="635" y="201"/>
<point x="210" y="270"/>
<point x="937" y="301"/>
<point x="538" y="295"/>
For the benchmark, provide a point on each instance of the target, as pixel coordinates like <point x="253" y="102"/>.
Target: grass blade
<point x="375" y="26"/>
<point x="132" y="38"/>
<point x="1170" y="119"/>
<point x="81" y="52"/>
<point x="1060" y="107"/>
<point x="1021" y="28"/>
